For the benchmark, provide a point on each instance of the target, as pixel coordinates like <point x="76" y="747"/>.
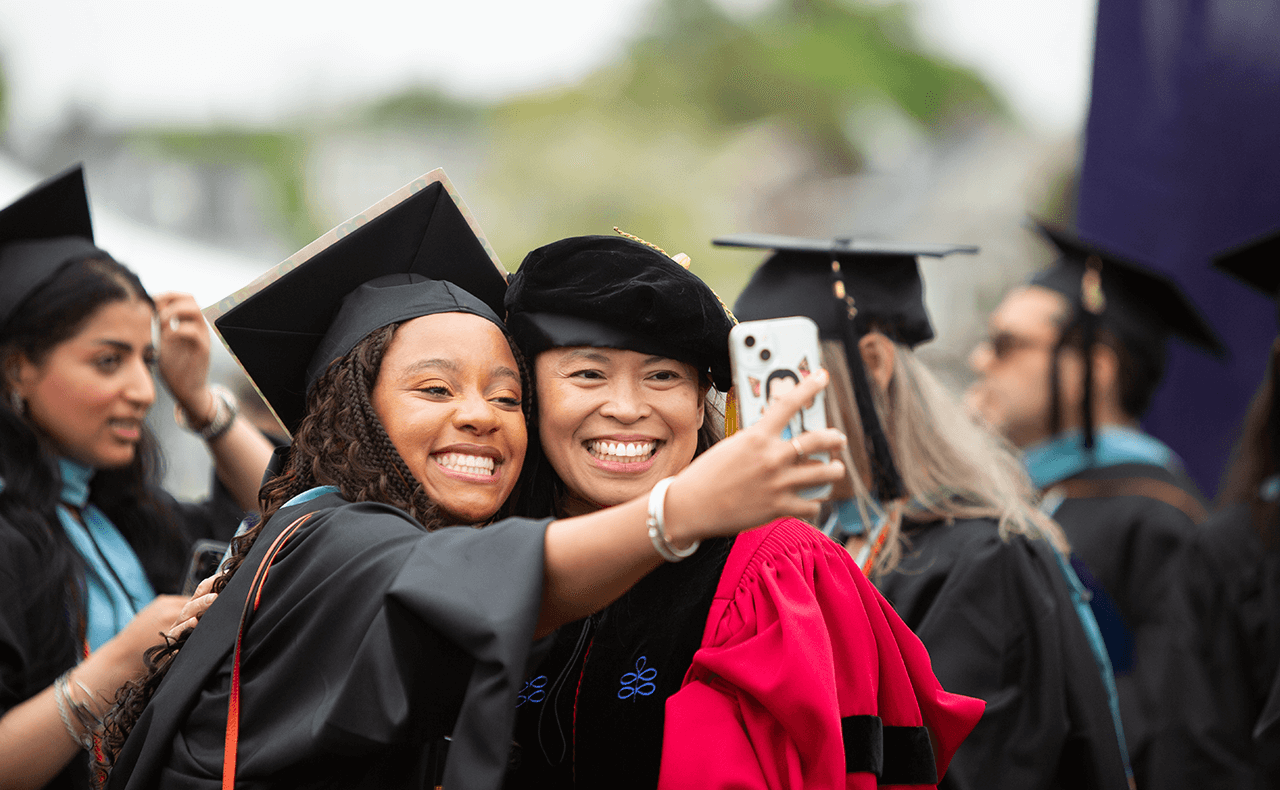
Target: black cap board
<point x="41" y="232"/>
<point x="1255" y="263"/>
<point x="883" y="279"/>
<point x="1143" y="306"/>
<point x="848" y="287"/>
<point x="380" y="267"/>
<point x="1138" y="305"/>
<point x="616" y="292"/>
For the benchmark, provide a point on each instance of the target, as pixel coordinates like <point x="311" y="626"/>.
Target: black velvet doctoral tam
<point x="612" y="292"/>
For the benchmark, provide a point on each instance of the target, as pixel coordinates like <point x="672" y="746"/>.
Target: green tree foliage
<point x="670" y="141"/>
<point x="666" y="141"/>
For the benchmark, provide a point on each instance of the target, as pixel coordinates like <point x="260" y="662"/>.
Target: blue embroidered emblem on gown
<point x="639" y="683"/>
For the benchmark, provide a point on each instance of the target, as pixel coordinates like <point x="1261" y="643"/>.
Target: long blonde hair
<point x="952" y="468"/>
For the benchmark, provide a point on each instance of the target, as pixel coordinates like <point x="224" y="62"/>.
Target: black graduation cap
<point x="1144" y="306"/>
<point x="41" y="232"/>
<point x="616" y="292"/>
<point x="380" y="267"/>
<point x="848" y="287"/>
<point x="1140" y="306"/>
<point x="1256" y="263"/>
<point x="882" y="278"/>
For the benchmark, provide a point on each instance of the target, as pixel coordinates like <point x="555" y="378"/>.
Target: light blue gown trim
<point x="116" y="586"/>
<point x="1080" y="600"/>
<point x="1064" y="455"/>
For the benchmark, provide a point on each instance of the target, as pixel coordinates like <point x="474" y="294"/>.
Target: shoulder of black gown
<point x="388" y="620"/>
<point x="996" y="617"/>
<point x="1224" y="604"/>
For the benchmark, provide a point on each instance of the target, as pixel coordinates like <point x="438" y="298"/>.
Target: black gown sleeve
<point x="999" y="625"/>
<point x="36" y="640"/>
<point x="373" y="638"/>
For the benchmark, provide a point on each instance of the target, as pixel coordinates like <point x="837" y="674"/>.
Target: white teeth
<point x="622" y="452"/>
<point x="471" y="464"/>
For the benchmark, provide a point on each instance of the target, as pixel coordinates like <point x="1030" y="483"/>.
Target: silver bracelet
<point x="63" y="699"/>
<point x="657" y="526"/>
<point x="225" y="409"/>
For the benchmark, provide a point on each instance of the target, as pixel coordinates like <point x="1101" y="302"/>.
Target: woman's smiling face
<point x="448" y="394"/>
<point x="614" y="422"/>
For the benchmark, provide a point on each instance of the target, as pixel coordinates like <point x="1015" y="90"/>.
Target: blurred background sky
<point x="255" y="126"/>
<point x="220" y="138"/>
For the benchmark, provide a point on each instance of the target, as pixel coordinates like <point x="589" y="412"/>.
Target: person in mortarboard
<point x="1072" y="362"/>
<point x="91" y="549"/>
<point x="746" y="663"/>
<point x="381" y="630"/>
<point x="939" y="514"/>
<point x="1222" y="682"/>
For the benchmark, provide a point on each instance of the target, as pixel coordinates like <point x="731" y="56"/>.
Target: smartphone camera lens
<point x="765" y="355"/>
<point x="749" y="341"/>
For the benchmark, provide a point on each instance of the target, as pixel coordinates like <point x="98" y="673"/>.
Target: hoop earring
<point x="18" y="403"/>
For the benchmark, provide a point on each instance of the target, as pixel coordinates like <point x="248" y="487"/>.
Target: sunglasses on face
<point x="1004" y="344"/>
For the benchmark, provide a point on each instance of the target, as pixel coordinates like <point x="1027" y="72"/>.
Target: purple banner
<point x="1181" y="161"/>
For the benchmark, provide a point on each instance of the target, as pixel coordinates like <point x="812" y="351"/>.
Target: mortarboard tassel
<point x="886" y="482"/>
<point x="1092" y="303"/>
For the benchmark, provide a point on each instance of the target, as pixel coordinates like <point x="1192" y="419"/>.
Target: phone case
<point x="769" y="358"/>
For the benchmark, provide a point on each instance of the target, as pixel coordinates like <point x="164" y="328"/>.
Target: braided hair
<point x="340" y="442"/>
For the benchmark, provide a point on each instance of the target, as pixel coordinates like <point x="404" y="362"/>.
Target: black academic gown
<point x="37" y="638"/>
<point x="1224" y="667"/>
<point x="591" y="715"/>
<point x="997" y="619"/>
<point x="1129" y="544"/>
<point x="373" y="639"/>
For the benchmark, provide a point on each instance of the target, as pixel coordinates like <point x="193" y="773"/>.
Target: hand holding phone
<point x="206" y="556"/>
<point x="770" y="358"/>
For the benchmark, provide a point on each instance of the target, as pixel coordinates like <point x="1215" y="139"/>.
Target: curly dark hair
<point x="340" y="442"/>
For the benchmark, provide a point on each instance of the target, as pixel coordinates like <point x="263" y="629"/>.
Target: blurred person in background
<point x="87" y="538"/>
<point x="1069" y="368"/>
<point x="765" y="660"/>
<point x="1223" y="682"/>
<point x="939" y="514"/>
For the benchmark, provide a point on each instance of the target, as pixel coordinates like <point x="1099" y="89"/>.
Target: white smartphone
<point x="770" y="358"/>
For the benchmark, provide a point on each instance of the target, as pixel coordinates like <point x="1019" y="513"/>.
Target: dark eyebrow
<point x="502" y="371"/>
<point x="123" y="346"/>
<point x="423" y="364"/>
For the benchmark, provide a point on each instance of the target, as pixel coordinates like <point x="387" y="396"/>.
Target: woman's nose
<point x="625" y="403"/>
<point x="477" y="414"/>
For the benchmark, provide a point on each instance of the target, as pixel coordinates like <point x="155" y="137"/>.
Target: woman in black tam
<point x="378" y="631"/>
<point x="744" y="664"/>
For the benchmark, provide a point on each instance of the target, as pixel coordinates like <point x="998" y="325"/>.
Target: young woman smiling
<point x="87" y="539"/>
<point x="381" y="630"/>
<point x="746" y="664"/>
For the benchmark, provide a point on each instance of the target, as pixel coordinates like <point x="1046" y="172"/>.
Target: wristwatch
<point x="225" y="409"/>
